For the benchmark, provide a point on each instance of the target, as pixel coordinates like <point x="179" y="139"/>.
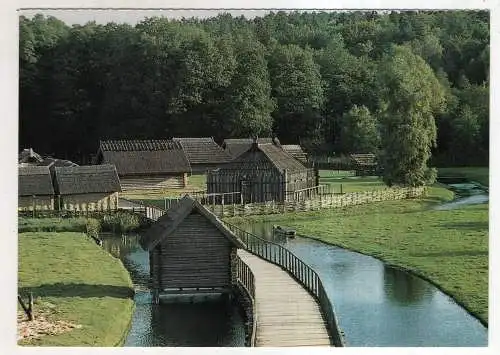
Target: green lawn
<point x="76" y="281"/>
<point x="479" y="174"/>
<point x="345" y="181"/>
<point x="450" y="248"/>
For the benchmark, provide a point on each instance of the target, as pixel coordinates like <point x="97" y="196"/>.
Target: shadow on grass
<point x="452" y="253"/>
<point x="468" y="225"/>
<point x="78" y="290"/>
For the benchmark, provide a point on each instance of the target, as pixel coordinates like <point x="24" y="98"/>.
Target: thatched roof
<point x="237" y="146"/>
<point x="168" y="223"/>
<point x="35" y="180"/>
<point x="295" y="151"/>
<point x="281" y="159"/>
<point x="86" y="179"/>
<point x="367" y="159"/>
<point x="29" y="156"/>
<point x="203" y="151"/>
<point x="142" y="157"/>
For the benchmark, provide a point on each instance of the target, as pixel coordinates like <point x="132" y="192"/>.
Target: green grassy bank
<point x="479" y="174"/>
<point x="449" y="248"/>
<point x="74" y="280"/>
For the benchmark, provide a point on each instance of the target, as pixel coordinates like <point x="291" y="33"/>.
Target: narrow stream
<point x="212" y="323"/>
<point x="377" y="305"/>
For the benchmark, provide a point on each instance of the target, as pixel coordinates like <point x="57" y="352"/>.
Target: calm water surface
<point x="377" y="305"/>
<point x="213" y="323"/>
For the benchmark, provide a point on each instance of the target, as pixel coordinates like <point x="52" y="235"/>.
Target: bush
<point x="93" y="227"/>
<point x="121" y="222"/>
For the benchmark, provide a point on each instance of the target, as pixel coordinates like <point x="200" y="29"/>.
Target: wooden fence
<point x="246" y="279"/>
<point x="317" y="203"/>
<point x="299" y="270"/>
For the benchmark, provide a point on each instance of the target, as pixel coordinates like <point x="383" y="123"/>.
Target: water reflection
<point x="404" y="288"/>
<point x="377" y="305"/>
<point x="214" y="323"/>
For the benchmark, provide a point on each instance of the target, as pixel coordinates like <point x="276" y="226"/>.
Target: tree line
<point x="410" y="86"/>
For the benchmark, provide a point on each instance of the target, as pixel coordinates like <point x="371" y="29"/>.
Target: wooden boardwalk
<point x="287" y="315"/>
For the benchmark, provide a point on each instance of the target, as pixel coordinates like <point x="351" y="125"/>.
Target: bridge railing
<point x="246" y="278"/>
<point x="307" y="277"/>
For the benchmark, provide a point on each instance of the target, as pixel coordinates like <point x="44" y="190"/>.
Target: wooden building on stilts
<point x="190" y="251"/>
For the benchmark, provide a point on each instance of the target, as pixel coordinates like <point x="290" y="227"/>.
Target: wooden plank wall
<point x="196" y="255"/>
<point x="152" y="183"/>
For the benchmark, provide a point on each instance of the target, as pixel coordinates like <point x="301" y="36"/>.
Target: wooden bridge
<point x="289" y="303"/>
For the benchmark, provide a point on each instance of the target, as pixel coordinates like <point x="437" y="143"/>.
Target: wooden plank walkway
<point x="287" y="315"/>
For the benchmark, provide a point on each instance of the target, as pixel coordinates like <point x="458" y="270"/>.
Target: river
<point x="209" y="323"/>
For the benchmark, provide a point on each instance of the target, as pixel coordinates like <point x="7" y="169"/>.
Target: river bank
<point x="83" y="295"/>
<point x="448" y="247"/>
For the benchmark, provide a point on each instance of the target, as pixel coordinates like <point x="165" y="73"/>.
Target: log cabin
<point x="87" y="188"/>
<point x="146" y="164"/>
<point x="203" y="153"/>
<point x="35" y="188"/>
<point x="190" y="251"/>
<point x="265" y="172"/>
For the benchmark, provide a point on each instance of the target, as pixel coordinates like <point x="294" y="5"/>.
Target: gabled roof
<point x="86" y="179"/>
<point x="203" y="150"/>
<point x="169" y="222"/>
<point x="281" y="159"/>
<point x="237" y="146"/>
<point x="35" y="180"/>
<point x="141" y="157"/>
<point x="295" y="151"/>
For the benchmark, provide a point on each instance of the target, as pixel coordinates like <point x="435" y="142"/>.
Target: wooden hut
<point x="146" y="164"/>
<point x="364" y="164"/>
<point x="265" y="172"/>
<point x="190" y="251"/>
<point x="35" y="188"/>
<point x="87" y="188"/>
<point x="203" y="153"/>
<point x="237" y="146"/>
<point x="295" y="151"/>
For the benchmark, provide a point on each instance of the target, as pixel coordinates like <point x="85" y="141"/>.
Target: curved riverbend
<point x="379" y="305"/>
<point x="212" y="323"/>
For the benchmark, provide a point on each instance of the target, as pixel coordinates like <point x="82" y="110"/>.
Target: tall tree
<point x="248" y="102"/>
<point x="412" y="96"/>
<point x="297" y="87"/>
<point x="359" y="132"/>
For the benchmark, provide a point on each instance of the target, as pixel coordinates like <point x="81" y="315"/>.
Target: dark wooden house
<point x="295" y="151"/>
<point x="237" y="146"/>
<point x="146" y="164"/>
<point x="190" y="250"/>
<point x="87" y="188"/>
<point x="265" y="172"/>
<point x="203" y="153"/>
<point x="35" y="188"/>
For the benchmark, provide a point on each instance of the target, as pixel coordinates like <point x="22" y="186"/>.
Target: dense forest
<point x="409" y="85"/>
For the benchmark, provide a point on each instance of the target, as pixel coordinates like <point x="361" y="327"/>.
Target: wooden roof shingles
<point x="295" y="151"/>
<point x="35" y="180"/>
<point x="203" y="150"/>
<point x="87" y="179"/>
<point x="237" y="146"/>
<point x="280" y="158"/>
<point x="169" y="222"/>
<point x="139" y="157"/>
